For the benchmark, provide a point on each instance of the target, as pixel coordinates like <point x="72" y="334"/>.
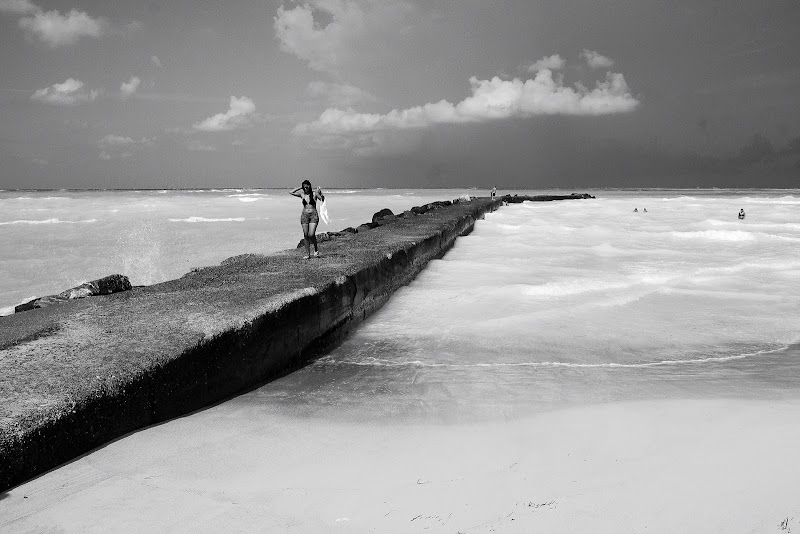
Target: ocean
<point x="544" y="304"/>
<point x="548" y="305"/>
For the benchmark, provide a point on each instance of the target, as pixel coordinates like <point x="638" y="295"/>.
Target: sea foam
<point x="379" y="362"/>
<point x="48" y="221"/>
<point x="716" y="235"/>
<point x="206" y="219"/>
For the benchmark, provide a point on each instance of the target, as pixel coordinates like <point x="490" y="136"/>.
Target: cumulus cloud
<point x="18" y="7"/>
<point x="493" y="99"/>
<point x="240" y="114"/>
<point x="129" y="87"/>
<point x="596" y="60"/>
<point x="112" y="140"/>
<point x="53" y="28"/>
<point x="554" y="62"/>
<point x="337" y="94"/>
<point x="156" y="61"/>
<point x="353" y="30"/>
<point x="69" y="93"/>
<point x="318" y="46"/>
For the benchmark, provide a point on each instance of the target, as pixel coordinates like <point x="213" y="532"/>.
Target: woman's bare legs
<point x="312" y="236"/>
<point x="305" y="238"/>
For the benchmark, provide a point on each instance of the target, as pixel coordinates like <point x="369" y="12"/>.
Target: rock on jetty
<point x="77" y="375"/>
<point x="102" y="286"/>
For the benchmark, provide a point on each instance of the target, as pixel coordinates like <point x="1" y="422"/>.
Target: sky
<point x="399" y="93"/>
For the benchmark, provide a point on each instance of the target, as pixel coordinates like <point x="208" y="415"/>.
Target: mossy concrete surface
<point x="79" y="374"/>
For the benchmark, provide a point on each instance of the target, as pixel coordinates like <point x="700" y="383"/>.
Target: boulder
<point x="102" y="286"/>
<point x="112" y="284"/>
<point x="384" y="213"/>
<point x="367" y="226"/>
<point x="385" y="220"/>
<point x="419" y="210"/>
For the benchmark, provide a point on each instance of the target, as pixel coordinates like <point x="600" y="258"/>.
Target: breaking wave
<point x="248" y="197"/>
<point x="47" y="221"/>
<point x="716" y="235"/>
<point x="377" y="362"/>
<point x="204" y="219"/>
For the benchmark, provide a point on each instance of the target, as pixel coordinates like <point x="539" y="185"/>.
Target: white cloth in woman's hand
<point x="323" y="212"/>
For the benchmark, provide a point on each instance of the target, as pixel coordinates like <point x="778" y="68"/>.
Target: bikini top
<point x="312" y="201"/>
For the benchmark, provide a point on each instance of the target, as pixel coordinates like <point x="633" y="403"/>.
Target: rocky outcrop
<point x="385" y="213"/>
<point x="102" y="286"/>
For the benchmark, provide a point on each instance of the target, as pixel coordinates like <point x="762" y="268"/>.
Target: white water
<point x="543" y="304"/>
<point x="560" y="303"/>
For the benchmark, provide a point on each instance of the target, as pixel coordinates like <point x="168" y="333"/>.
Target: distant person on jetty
<point x="494" y="192"/>
<point x="741" y="213"/>
<point x="309" y="218"/>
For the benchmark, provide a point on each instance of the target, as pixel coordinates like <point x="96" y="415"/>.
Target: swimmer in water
<point x="741" y="213"/>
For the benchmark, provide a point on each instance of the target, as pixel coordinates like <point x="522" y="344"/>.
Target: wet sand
<point x="647" y="466"/>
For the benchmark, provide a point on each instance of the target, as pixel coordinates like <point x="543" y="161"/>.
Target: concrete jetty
<point x="79" y="374"/>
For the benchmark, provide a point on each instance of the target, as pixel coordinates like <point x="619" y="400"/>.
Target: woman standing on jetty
<point x="309" y="218"/>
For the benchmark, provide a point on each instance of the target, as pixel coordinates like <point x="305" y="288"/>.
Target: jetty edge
<point x="77" y="375"/>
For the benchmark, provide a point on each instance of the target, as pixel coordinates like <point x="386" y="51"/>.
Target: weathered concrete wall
<point x="80" y="374"/>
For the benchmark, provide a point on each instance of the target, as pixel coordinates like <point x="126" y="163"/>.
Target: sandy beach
<point x="654" y="466"/>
